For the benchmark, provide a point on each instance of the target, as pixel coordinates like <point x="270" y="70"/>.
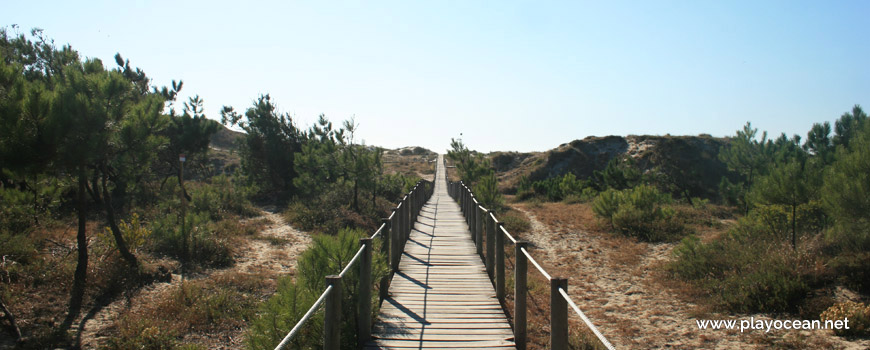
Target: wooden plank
<point x="467" y="342"/>
<point x="411" y="327"/>
<point x="442" y="298"/>
<point x="441" y="337"/>
<point x="372" y="347"/>
<point x="389" y="332"/>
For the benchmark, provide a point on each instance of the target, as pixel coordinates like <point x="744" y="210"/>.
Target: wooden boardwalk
<point x="441" y="298"/>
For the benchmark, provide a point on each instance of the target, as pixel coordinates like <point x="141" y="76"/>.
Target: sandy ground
<point x="257" y="256"/>
<point x="622" y="295"/>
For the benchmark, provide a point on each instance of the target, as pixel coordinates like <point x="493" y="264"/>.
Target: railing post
<point x="558" y="314"/>
<point x="408" y="224"/>
<point x="490" y="244"/>
<point x="520" y="291"/>
<point x="478" y="239"/>
<point x="472" y="222"/>
<point x="458" y="196"/>
<point x="467" y="205"/>
<point x="365" y="292"/>
<point x="468" y="213"/>
<point x="332" y="315"/>
<point x="395" y="247"/>
<point x="402" y="218"/>
<point x="417" y="191"/>
<point x="499" y="262"/>
<point x="461" y="195"/>
<point x="385" y="240"/>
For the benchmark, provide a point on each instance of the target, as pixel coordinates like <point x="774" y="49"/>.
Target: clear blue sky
<point x="507" y="75"/>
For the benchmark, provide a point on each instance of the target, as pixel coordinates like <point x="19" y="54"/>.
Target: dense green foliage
<point x="270" y="143"/>
<point x="81" y="142"/>
<point x="642" y="211"/>
<point x="744" y="270"/>
<point x="315" y="170"/>
<point x="567" y="187"/>
<point x="806" y="224"/>
<point x="476" y="171"/>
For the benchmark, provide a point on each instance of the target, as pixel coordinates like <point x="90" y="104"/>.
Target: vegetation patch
<point x="328" y="255"/>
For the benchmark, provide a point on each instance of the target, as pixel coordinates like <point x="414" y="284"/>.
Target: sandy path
<point x="262" y="255"/>
<point x="619" y="296"/>
<point x="257" y="256"/>
<point x="617" y="286"/>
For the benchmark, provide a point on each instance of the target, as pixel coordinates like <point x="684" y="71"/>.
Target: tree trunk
<point x="78" y="290"/>
<point x="94" y="190"/>
<point x="793" y="226"/>
<point x="688" y="197"/>
<point x="11" y="318"/>
<point x="374" y="195"/>
<point x="355" y="195"/>
<point x="113" y="226"/>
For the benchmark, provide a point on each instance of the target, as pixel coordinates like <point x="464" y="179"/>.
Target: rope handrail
<point x="508" y="235"/>
<point x="352" y="261"/>
<point x="535" y="262"/>
<point x="381" y="228"/>
<point x="586" y="320"/>
<point x="304" y="319"/>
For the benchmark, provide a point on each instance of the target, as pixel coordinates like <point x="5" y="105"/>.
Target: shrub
<point x="641" y="212"/>
<point x="744" y="269"/>
<point x="853" y="269"/>
<point x="204" y="245"/>
<point x="553" y="189"/>
<point x="134" y="233"/>
<point x="487" y="192"/>
<point x="515" y="222"/>
<point x="858" y="315"/>
<point x="222" y="196"/>
<point x="20" y="210"/>
<point x="17" y="247"/>
<point x="770" y="286"/>
<point x="606" y="204"/>
<point x="327" y="255"/>
<point x="196" y="305"/>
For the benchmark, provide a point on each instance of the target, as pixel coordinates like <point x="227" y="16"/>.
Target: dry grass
<point x="419" y="166"/>
<point x="200" y="312"/>
<point x="37" y="292"/>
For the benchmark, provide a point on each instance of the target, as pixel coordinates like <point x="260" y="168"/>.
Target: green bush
<point x="205" y="245"/>
<point x="553" y="189"/>
<point x="606" y="204"/>
<point x="221" y="197"/>
<point x="17" y="247"/>
<point x="328" y="255"/>
<point x="853" y="269"/>
<point x="330" y="213"/>
<point x="770" y="286"/>
<point x="278" y="315"/>
<point x="745" y="270"/>
<point x="642" y="212"/>
<point x="20" y="209"/>
<point x="515" y="222"/>
<point x="487" y="192"/>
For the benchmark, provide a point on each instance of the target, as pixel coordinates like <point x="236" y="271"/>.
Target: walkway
<point x="442" y="297"/>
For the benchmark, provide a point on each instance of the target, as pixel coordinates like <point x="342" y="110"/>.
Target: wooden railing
<point x="487" y="230"/>
<point x="395" y="231"/>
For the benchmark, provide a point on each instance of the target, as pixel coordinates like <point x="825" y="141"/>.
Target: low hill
<point x="698" y="155"/>
<point x="225" y="138"/>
